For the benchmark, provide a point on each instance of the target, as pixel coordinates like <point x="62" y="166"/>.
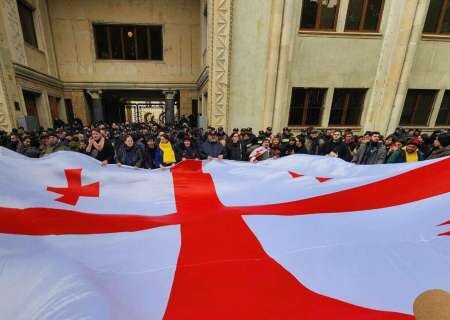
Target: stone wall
<point x="75" y="48"/>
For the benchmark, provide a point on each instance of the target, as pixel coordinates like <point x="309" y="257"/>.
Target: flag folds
<point x="302" y="237"/>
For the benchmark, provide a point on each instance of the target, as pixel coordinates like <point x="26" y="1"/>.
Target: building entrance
<point x="136" y="106"/>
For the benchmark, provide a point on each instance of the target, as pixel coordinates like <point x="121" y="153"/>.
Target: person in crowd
<point x="14" y="143"/>
<point x="235" y="150"/>
<point x="409" y="153"/>
<point x="100" y="148"/>
<point x="187" y="150"/>
<point x="261" y="153"/>
<point x="53" y="145"/>
<point x="261" y="136"/>
<point x="441" y="147"/>
<point x="211" y="148"/>
<point x="285" y="136"/>
<point x="371" y="152"/>
<point x="290" y="147"/>
<point x="251" y="134"/>
<point x="129" y="154"/>
<point x="103" y="141"/>
<point x="336" y="147"/>
<point x="394" y="146"/>
<point x="165" y="154"/>
<point x="275" y="148"/>
<point x="29" y="149"/>
<point x="301" y="148"/>
<point x="58" y="123"/>
<point x="313" y="143"/>
<point x="149" y="153"/>
<point x="424" y="147"/>
<point x="74" y="143"/>
<point x="349" y="140"/>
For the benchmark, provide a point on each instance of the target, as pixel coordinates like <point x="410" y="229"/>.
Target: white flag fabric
<point x="301" y="237"/>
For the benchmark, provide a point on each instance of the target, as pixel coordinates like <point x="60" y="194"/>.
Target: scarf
<point x="412" y="157"/>
<point x="168" y="154"/>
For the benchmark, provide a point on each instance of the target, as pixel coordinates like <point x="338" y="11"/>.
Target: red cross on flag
<point x="302" y="237"/>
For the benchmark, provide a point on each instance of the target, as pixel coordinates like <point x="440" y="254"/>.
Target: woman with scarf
<point x="129" y="154"/>
<point x="165" y="154"/>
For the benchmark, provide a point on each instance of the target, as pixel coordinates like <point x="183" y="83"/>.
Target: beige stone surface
<point x="431" y="68"/>
<point x="186" y="97"/>
<point x="248" y="64"/>
<point x="75" y="48"/>
<point x="80" y="107"/>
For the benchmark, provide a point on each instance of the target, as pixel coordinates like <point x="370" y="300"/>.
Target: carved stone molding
<point x="5" y="114"/>
<point x="220" y="60"/>
<point x="14" y="30"/>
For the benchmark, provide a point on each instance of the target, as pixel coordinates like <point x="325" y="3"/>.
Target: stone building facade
<point x="363" y="64"/>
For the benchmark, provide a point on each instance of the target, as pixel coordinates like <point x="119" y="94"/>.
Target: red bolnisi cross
<point x="222" y="271"/>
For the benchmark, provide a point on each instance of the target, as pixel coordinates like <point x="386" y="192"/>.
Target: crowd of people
<point x="149" y="145"/>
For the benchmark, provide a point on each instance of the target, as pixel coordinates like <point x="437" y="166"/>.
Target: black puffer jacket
<point x="235" y="151"/>
<point x="130" y="156"/>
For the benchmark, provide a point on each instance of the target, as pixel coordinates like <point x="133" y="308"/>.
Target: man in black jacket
<point x="211" y="148"/>
<point x="235" y="150"/>
<point x="336" y="147"/>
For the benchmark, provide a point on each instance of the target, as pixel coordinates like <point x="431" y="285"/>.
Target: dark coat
<point x="369" y="153"/>
<point x="31" y="152"/>
<point x="107" y="152"/>
<point x="149" y="158"/>
<point x="439" y="153"/>
<point x="339" y="147"/>
<point x="186" y="153"/>
<point x="235" y="151"/>
<point x="211" y="150"/>
<point x="130" y="156"/>
<point x="313" y="146"/>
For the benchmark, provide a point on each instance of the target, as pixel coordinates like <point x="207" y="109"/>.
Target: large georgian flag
<point x="302" y="237"/>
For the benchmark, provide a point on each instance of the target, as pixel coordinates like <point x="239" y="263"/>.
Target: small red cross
<point x="75" y="190"/>
<point x="223" y="271"/>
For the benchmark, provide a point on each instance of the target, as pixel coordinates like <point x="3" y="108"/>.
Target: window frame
<point x="346" y="107"/>
<point x="317" y="20"/>
<point x="416" y="106"/>
<point x="440" y="20"/>
<point x="363" y="18"/>
<point x="32" y="10"/>
<point x="122" y="26"/>
<point x="304" y="115"/>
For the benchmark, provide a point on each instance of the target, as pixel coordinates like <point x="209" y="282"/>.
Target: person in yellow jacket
<point x="409" y="153"/>
<point x="165" y="154"/>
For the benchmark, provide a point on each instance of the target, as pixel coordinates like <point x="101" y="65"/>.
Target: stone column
<point x="436" y="107"/>
<point x="97" y="106"/>
<point x="43" y="109"/>
<point x="6" y="118"/>
<point x="325" y="118"/>
<point x="289" y="31"/>
<point x="220" y="48"/>
<point x="403" y="30"/>
<point x="80" y="106"/>
<point x="415" y="38"/>
<point x="62" y="114"/>
<point x="276" y="25"/>
<point x="169" y="106"/>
